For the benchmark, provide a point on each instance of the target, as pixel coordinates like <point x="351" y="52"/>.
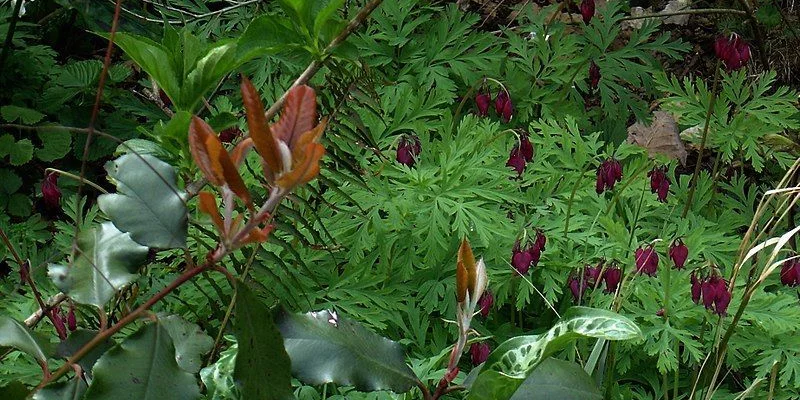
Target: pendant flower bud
<point x="732" y="50"/>
<point x="521" y="259"/>
<point x="678" y="252"/>
<point x="608" y="174"/>
<point x="230" y="134"/>
<point x="541" y="240"/>
<point x="58" y="323"/>
<point x="696" y="288"/>
<point x="577" y="286"/>
<point x="594" y="75"/>
<point x="612" y="277"/>
<point x="516" y="160"/>
<point x="72" y="322"/>
<point x="485" y="303"/>
<point x="646" y="260"/>
<point x="587" y="10"/>
<point x="51" y="194"/>
<point x="592" y="274"/>
<point x="659" y="183"/>
<point x="790" y="272"/>
<point x="503" y="106"/>
<point x="408" y="150"/>
<point x="479" y="352"/>
<point x="482" y="101"/>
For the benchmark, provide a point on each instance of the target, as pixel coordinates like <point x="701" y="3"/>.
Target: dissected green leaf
<point x="191" y="343"/>
<point x="148" y="203"/>
<point x="105" y="261"/>
<point x="18" y="336"/>
<point x="262" y="365"/>
<point x="515" y="359"/>
<point x="78" y="339"/>
<point x="142" y="367"/>
<point x="72" y="389"/>
<point x="353" y="355"/>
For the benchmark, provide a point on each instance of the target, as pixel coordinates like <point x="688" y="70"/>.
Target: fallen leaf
<point x="661" y="136"/>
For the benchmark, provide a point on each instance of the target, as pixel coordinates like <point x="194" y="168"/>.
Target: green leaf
<point x="25" y="115"/>
<point x="325" y="14"/>
<point x="142" y="367"/>
<point x="16" y="335"/>
<point x="56" y="143"/>
<point x="267" y="34"/>
<point x="515" y="359"/>
<point x="6" y="142"/>
<point x="191" y="343"/>
<point x="141" y="147"/>
<point x="21" y="152"/>
<point x="9" y="181"/>
<point x="154" y="59"/>
<point x="218" y="377"/>
<point x="148" y="204"/>
<point x="354" y="356"/>
<point x="105" y="261"/>
<point x="70" y="390"/>
<point x="222" y="121"/>
<point x="19" y="205"/>
<point x="78" y="339"/>
<point x="262" y="365"/>
<point x="14" y="390"/>
<point x="209" y="70"/>
<point x="558" y="379"/>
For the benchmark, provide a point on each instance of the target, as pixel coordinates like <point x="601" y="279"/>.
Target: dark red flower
<point x="536" y="254"/>
<point x="164" y="98"/>
<point x="479" y="352"/>
<point x="594" y="75"/>
<point x="790" y="272"/>
<point x="520" y="258"/>
<point x="577" y="286"/>
<point x="228" y="135"/>
<point x="482" y="101"/>
<point x="659" y="182"/>
<point x="503" y="106"/>
<point x="72" y="322"/>
<point x="732" y="50"/>
<point x="587" y="10"/>
<point x="709" y="290"/>
<point x="660" y="312"/>
<point x="58" y="323"/>
<point x="722" y="300"/>
<point x="678" y="252"/>
<point x="608" y="174"/>
<point x="696" y="288"/>
<point x="50" y="192"/>
<point x="485" y="302"/>
<point x="526" y="147"/>
<point x="541" y="240"/>
<point x="516" y="160"/>
<point x="647" y="260"/>
<point x="612" y="276"/>
<point x="592" y="274"/>
<point x="408" y="149"/>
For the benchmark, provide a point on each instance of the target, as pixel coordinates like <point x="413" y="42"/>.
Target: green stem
<point x="709" y="113"/>
<point x="78" y="178"/>
<point x="686" y="12"/>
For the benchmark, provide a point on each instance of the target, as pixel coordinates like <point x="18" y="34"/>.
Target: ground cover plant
<point x="398" y="200"/>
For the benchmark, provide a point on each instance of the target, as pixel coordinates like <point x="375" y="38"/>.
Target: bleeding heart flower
<point x="577" y="286"/>
<point x="659" y="182"/>
<point x="408" y="150"/>
<point x="678" y="252"/>
<point x="516" y="160"/>
<point x="647" y="260"/>
<point x="526" y="147"/>
<point x="58" y="323"/>
<point x="722" y="300"/>
<point x="592" y="274"/>
<point x="660" y="312"/>
<point x="503" y="106"/>
<point x="485" y="303"/>
<point x="608" y="174"/>
<point x="482" y="101"/>
<point x="732" y="50"/>
<point x="51" y="193"/>
<point x="790" y="272"/>
<point x="228" y="135"/>
<point x="587" y="10"/>
<point x="479" y="352"/>
<point x="709" y="289"/>
<point x="612" y="277"/>
<point x="594" y="75"/>
<point x="541" y="240"/>
<point x="696" y="288"/>
<point x="521" y="259"/>
<point x="72" y="322"/>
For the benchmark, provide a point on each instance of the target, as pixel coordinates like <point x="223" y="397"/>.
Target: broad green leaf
<point x="72" y="389"/>
<point x="55" y="144"/>
<point x="142" y="367"/>
<point x="325" y="13"/>
<point x="25" y="115"/>
<point x="78" y="339"/>
<point x="267" y="34"/>
<point x="6" y="141"/>
<point x="218" y="377"/>
<point x="209" y="70"/>
<point x="222" y="121"/>
<point x="191" y="343"/>
<point x="262" y="365"/>
<point x="148" y="203"/>
<point x="21" y="152"/>
<point x="141" y="147"/>
<point x="9" y="181"/>
<point x="154" y="59"/>
<point x="353" y="355"/>
<point x="14" y="390"/>
<point x="558" y="379"/>
<point x="105" y="261"/>
<point x="515" y="359"/>
<point x="19" y="205"/>
<point x="16" y="335"/>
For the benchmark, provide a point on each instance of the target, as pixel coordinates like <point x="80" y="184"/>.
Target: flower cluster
<point x="408" y="150"/>
<point x="521" y="154"/>
<point x="592" y="276"/>
<point x="524" y="257"/>
<point x="502" y="104"/>
<point x="714" y="293"/>
<point x="659" y="182"/>
<point x="608" y="174"/>
<point x="647" y="260"/>
<point x="733" y="51"/>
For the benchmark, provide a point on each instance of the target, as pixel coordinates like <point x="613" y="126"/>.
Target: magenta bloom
<point x="485" y="303"/>
<point x="696" y="288"/>
<point x="608" y="174"/>
<point x="50" y="192"/>
<point x="716" y="296"/>
<point x="479" y="352"/>
<point x="72" y="322"/>
<point x="678" y="252"/>
<point x="521" y="259"/>
<point x="594" y="75"/>
<point x="612" y="276"/>
<point x="58" y="322"/>
<point x="503" y="106"/>
<point x="482" y="101"/>
<point x="587" y="10"/>
<point x="526" y="147"/>
<point x="659" y="183"/>
<point x="577" y="286"/>
<point x="516" y="160"/>
<point x="592" y="274"/>
<point x="541" y="240"/>
<point x="408" y="150"/>
<point x="647" y="260"/>
<point x="230" y="134"/>
<point x="732" y="50"/>
<point x="790" y="272"/>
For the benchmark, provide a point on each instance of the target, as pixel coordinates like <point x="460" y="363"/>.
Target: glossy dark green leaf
<point x="154" y="58"/>
<point x="148" y="204"/>
<point x="515" y="359"/>
<point x="142" y="367"/>
<point x="15" y="334"/>
<point x="72" y="389"/>
<point x="266" y="34"/>
<point x="324" y="347"/>
<point x="262" y="365"/>
<point x="558" y="379"/>
<point x="209" y="70"/>
<point x="76" y="340"/>
<point x="191" y="343"/>
<point x="106" y="260"/>
<point x="14" y="390"/>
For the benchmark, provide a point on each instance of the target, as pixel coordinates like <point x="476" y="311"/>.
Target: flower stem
<point x="709" y="113"/>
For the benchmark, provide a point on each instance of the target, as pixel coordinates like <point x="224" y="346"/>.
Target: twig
<point x="12" y="26"/>
<point x="686" y="12"/>
<point x="37" y="316"/>
<point x="193" y="16"/>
